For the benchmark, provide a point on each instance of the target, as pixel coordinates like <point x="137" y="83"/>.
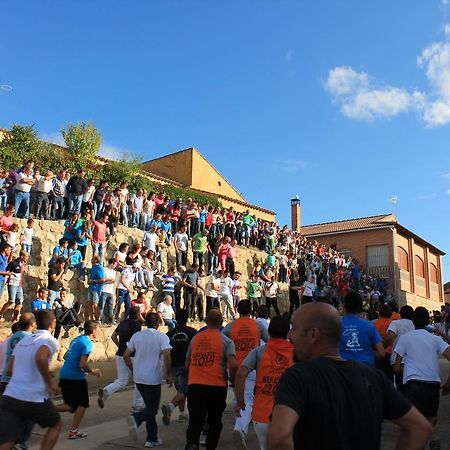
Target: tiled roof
<point x="349" y="225"/>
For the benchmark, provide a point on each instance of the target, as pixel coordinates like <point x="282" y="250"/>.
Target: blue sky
<point x="344" y="103"/>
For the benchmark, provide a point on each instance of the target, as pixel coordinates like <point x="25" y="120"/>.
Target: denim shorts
<point x="93" y="296"/>
<point x="15" y="294"/>
<point x="180" y="378"/>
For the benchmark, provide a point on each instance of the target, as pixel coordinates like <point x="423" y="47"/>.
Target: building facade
<point x="411" y="266"/>
<point x="188" y="168"/>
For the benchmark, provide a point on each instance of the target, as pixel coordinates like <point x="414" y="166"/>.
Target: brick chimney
<point x="296" y="214"/>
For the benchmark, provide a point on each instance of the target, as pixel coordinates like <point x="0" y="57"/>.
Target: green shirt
<point x="248" y="219"/>
<point x="253" y="288"/>
<point x="199" y="242"/>
<point x="271" y="260"/>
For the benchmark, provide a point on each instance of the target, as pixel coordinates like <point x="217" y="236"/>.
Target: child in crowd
<point x="41" y="301"/>
<point x="141" y="303"/>
<point x="26" y="237"/>
<point x="10" y="237"/>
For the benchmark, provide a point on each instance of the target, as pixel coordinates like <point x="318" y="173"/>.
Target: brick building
<point x="384" y="248"/>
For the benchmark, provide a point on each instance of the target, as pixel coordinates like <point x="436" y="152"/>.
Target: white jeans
<point x="121" y="382"/>
<point x="243" y="422"/>
<point x="227" y="303"/>
<point x="261" y="430"/>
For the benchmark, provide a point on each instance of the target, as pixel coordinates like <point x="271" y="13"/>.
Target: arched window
<point x="433" y="273"/>
<point x="403" y="260"/>
<point x="420" y="266"/>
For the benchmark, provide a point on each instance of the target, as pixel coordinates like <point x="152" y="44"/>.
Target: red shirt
<point x="99" y="232"/>
<point x="6" y="222"/>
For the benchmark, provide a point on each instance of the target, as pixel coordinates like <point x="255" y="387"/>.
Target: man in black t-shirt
<point x="328" y="403"/>
<point x="120" y="337"/>
<point x="180" y="337"/>
<point x="55" y="274"/>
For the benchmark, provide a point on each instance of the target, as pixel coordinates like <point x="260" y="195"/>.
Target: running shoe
<point x="183" y="417"/>
<point x="166" y="412"/>
<point x="150" y="444"/>
<point x="76" y="434"/>
<point x="101" y="398"/>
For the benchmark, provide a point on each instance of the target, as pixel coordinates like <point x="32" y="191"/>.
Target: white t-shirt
<point x="24" y="187"/>
<point x="166" y="311"/>
<point x="399" y="327"/>
<point x="181" y="241"/>
<point x="309" y="288"/>
<point x="149" y="207"/>
<point x="148" y="360"/>
<point x="421" y="350"/>
<point x="27" y="236"/>
<point x="225" y="286"/>
<point x="129" y="277"/>
<point x="271" y="289"/>
<point x="109" y="287"/>
<point x="44" y="185"/>
<point x="26" y="382"/>
<point x="211" y="283"/>
<point x="88" y="194"/>
<point x="150" y="240"/>
<point x="138" y="203"/>
<point x="121" y="256"/>
<point x="123" y="195"/>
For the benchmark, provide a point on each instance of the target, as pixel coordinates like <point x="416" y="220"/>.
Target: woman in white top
<point x="123" y="203"/>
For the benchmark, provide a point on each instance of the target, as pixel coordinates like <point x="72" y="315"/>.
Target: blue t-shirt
<point x="202" y="216"/>
<point x="10" y="345"/>
<point x="39" y="304"/>
<point x="76" y="258"/>
<point x="358" y="338"/>
<point x="168" y="283"/>
<point x="61" y="252"/>
<point x="97" y="273"/>
<point x="3" y="264"/>
<point x="80" y="346"/>
<point x="82" y="241"/>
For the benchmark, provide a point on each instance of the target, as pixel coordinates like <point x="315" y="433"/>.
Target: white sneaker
<point x="132" y="428"/>
<point x="153" y="443"/>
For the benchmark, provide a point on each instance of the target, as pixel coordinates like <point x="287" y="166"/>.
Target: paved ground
<point x="107" y="428"/>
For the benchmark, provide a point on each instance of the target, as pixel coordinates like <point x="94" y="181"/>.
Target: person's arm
<point x="446" y="385"/>
<point x="115" y="338"/>
<point x="127" y="359"/>
<point x="379" y="351"/>
<point x="398" y="363"/>
<point x="57" y="276"/>
<point x="42" y="356"/>
<point x="415" y="431"/>
<point x="233" y="366"/>
<point x="87" y="368"/>
<point x="239" y="388"/>
<point x="281" y="428"/>
<point x="167" y="367"/>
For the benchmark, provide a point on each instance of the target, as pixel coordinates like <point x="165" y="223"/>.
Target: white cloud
<point x="446" y="175"/>
<point x="362" y="98"/>
<point x="290" y="165"/>
<point x="448" y="191"/>
<point x="290" y="55"/>
<point x="359" y="98"/>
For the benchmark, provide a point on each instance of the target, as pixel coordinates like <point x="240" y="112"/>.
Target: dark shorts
<point x="180" y="377"/>
<point x="16" y="413"/>
<point x="75" y="393"/>
<point x="424" y="396"/>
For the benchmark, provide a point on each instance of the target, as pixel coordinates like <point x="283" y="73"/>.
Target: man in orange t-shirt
<point x="208" y="355"/>
<point x="246" y="333"/>
<point x="269" y="361"/>
<point x="382" y="325"/>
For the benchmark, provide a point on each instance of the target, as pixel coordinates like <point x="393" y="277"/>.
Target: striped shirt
<point x="168" y="283"/>
<point x="58" y="187"/>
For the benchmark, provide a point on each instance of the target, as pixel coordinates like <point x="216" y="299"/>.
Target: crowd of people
<point x="342" y="346"/>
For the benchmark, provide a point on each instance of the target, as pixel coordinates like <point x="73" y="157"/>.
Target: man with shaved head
<point x="329" y="403"/>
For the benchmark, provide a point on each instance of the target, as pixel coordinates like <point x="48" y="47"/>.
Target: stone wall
<point x="47" y="234"/>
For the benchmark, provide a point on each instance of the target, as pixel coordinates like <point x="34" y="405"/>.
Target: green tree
<point x="19" y="144"/>
<point x="83" y="142"/>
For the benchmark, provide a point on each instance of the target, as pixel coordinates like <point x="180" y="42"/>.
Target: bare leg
<point x="78" y="417"/>
<point x="16" y="312"/>
<point x="5" y="307"/>
<point x="51" y="437"/>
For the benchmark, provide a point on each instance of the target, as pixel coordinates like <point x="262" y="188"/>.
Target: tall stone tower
<point x="296" y="214"/>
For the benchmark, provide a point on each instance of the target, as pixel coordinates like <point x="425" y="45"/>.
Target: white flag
<point x="393" y="199"/>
